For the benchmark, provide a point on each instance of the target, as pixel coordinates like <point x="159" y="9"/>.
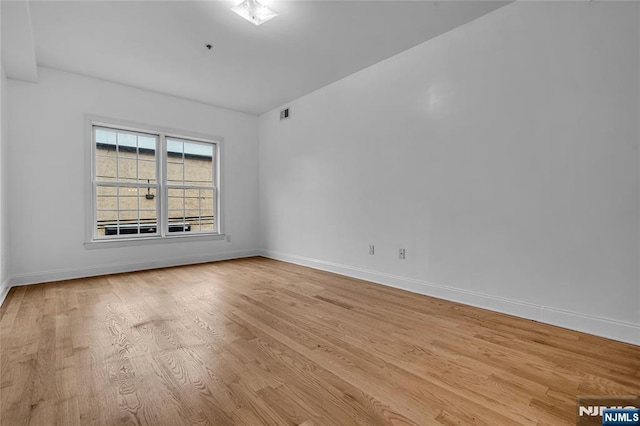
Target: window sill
<point x="132" y="242"/>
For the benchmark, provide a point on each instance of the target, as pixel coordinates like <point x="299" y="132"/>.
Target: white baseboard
<point x="91" y="271"/>
<point x="604" y="327"/>
<point x="4" y="290"/>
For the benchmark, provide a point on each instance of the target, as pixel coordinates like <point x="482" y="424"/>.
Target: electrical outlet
<point x="401" y="253"/>
<point x="372" y="249"/>
<point x="228" y="238"/>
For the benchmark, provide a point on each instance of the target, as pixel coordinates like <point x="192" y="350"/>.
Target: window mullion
<point x="163" y="201"/>
<point x="184" y="191"/>
<point x="118" y="188"/>
<point x="176" y="186"/>
<point x="138" y="180"/>
<point x="125" y="184"/>
<point x="94" y="192"/>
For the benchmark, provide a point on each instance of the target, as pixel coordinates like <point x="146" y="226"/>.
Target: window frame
<point x="95" y="182"/>
<point x="168" y="184"/>
<point x="92" y="240"/>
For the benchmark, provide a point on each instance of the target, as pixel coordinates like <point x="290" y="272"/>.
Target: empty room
<point x="320" y="213"/>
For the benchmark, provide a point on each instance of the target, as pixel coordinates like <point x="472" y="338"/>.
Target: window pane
<point x="177" y="221"/>
<point x="207" y="198"/>
<point x="127" y="222"/>
<point x="176" y="216"/>
<point x="176" y="199"/>
<point x="198" y="172"/>
<point x="128" y="217"/>
<point x="147" y="145"/>
<point x="105" y="168"/>
<point x="107" y="216"/>
<point x="125" y="157"/>
<point x="106" y="200"/>
<point x="148" y="198"/>
<point x="207" y="225"/>
<point x="127" y="171"/>
<point x="198" y="164"/>
<point x="127" y="152"/>
<point x="207" y="215"/>
<point x="106" y="190"/>
<point x="192" y="199"/>
<point x="191" y="210"/>
<point x="176" y="192"/>
<point x="128" y="211"/>
<point x="104" y="136"/>
<point x="147" y="159"/>
<point x="174" y="172"/>
<point x="106" y="150"/>
<point x="148" y="217"/>
<point x="146" y="170"/>
<point x="147" y="213"/>
<point x="127" y="140"/>
<point x="105" y="220"/>
<point x="192" y="217"/>
<point x="128" y="198"/>
<point x="199" y="149"/>
<point x="174" y="148"/>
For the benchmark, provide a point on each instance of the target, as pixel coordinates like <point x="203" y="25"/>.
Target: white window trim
<point x="162" y="237"/>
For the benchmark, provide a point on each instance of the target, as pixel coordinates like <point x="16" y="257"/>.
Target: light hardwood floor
<point x="256" y="341"/>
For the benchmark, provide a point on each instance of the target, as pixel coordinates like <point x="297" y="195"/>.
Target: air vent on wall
<point x="284" y="114"/>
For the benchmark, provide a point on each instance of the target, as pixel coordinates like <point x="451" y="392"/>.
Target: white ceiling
<point x="160" y="45"/>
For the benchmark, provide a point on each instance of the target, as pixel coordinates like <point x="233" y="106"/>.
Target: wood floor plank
<point x="255" y="341"/>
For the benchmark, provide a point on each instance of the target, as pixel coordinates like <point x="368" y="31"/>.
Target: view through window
<point x="148" y="185"/>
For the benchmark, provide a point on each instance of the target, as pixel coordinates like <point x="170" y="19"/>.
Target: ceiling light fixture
<point x="254" y="11"/>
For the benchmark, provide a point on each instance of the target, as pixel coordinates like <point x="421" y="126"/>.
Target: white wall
<point x="502" y="155"/>
<point x="4" y="226"/>
<point x="47" y="169"/>
<point x="4" y="249"/>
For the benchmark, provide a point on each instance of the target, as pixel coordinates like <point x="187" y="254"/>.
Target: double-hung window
<point x="152" y="185"/>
